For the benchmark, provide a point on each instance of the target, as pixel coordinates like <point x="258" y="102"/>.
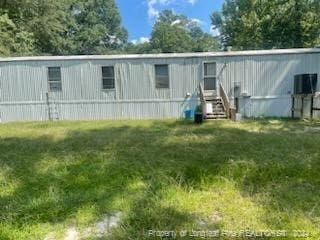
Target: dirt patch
<point x="97" y="229"/>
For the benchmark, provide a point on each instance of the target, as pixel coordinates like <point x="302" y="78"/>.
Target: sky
<point x="138" y="16"/>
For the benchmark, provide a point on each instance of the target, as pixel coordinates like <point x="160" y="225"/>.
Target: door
<point x="209" y="77"/>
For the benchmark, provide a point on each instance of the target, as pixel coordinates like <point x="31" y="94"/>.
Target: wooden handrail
<point x="202" y="100"/>
<point x="230" y="111"/>
<point x="225" y="100"/>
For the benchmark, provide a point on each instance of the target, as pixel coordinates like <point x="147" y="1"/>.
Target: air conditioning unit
<point x="305" y="83"/>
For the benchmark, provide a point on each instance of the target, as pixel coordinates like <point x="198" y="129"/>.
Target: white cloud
<point x="141" y="40"/>
<point x="153" y="12"/>
<point x="178" y="21"/>
<point x="144" y="39"/>
<point x="154" y="5"/>
<point x="192" y="1"/>
<point x="197" y="21"/>
<point x="214" y="31"/>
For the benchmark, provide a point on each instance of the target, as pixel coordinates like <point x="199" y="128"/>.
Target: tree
<point x="202" y="42"/>
<point x="168" y="38"/>
<point x="261" y="24"/>
<point x="97" y="27"/>
<point x="12" y="39"/>
<point x="137" y="48"/>
<point x="60" y="27"/>
<point x="46" y="20"/>
<point x="50" y="22"/>
<point x="176" y="33"/>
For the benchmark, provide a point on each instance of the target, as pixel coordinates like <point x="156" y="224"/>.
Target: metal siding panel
<point x="121" y="110"/>
<point x="265" y="76"/>
<point x="24" y="85"/>
<point x="23" y="112"/>
<point x="23" y="82"/>
<point x="185" y="77"/>
<point x="277" y="107"/>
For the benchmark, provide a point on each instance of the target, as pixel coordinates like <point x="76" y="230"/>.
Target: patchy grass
<point x="161" y="175"/>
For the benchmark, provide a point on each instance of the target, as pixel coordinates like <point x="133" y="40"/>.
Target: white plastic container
<point x="209" y="109"/>
<point x="238" y="117"/>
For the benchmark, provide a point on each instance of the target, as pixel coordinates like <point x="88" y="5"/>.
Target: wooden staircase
<point x="214" y="108"/>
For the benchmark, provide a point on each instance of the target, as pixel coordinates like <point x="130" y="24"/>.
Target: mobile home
<point x="157" y="86"/>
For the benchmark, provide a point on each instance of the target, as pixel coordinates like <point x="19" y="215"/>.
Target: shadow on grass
<point x="129" y="168"/>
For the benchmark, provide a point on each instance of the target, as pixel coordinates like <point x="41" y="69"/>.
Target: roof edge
<point x="164" y="55"/>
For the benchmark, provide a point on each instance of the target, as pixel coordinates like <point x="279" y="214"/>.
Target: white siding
<point x="268" y="79"/>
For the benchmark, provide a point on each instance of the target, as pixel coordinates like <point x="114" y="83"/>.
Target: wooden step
<point x="215" y="108"/>
<point x="218" y="108"/>
<point x="215" y="104"/>
<point x="213" y="100"/>
<point x="216" y="117"/>
<point x="217" y="113"/>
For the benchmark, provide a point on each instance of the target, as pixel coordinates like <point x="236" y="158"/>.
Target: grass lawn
<point x="160" y="175"/>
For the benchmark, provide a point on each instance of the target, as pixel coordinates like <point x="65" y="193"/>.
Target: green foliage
<point x="97" y="27"/>
<point x="60" y="27"/>
<point x="56" y="27"/>
<point x="50" y="22"/>
<point x="169" y="38"/>
<point x="138" y="48"/>
<point x="265" y="24"/>
<point x="176" y="33"/>
<point x="12" y="39"/>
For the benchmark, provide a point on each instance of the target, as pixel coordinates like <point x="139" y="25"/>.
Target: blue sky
<point x="138" y="16"/>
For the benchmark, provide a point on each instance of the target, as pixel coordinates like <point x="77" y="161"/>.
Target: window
<point x="54" y="78"/>
<point x="305" y="83"/>
<point x="210" y="71"/>
<point x="162" y="76"/>
<point x="108" y="77"/>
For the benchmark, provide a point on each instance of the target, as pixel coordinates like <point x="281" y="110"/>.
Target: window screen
<point x="210" y="71"/>
<point x="54" y="78"/>
<point x="108" y="77"/>
<point x="305" y="83"/>
<point x="162" y="76"/>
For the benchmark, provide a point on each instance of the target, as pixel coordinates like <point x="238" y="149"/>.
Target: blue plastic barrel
<point x="188" y="114"/>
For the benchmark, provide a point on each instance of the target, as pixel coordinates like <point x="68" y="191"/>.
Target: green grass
<point x="162" y="175"/>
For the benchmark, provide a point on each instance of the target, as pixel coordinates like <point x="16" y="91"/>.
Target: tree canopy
<point x="266" y="24"/>
<point x="63" y="27"/>
<point x="177" y="33"/>
<point x="97" y="28"/>
<point x="60" y="27"/>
